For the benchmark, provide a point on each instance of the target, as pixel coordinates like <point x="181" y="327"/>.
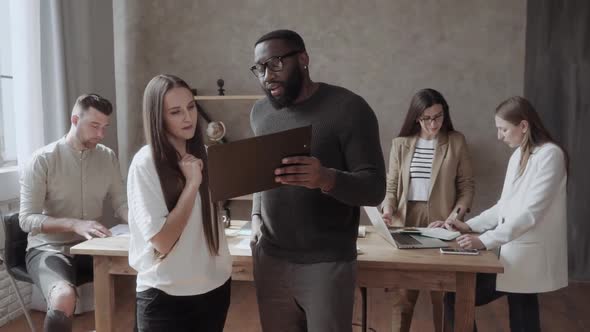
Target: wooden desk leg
<point x="104" y="295"/>
<point x="364" y="309"/>
<point x="465" y="302"/>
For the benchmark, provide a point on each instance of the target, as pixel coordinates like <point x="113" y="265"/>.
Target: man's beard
<point x="291" y="87"/>
<point x="90" y="145"/>
<point x="87" y="143"/>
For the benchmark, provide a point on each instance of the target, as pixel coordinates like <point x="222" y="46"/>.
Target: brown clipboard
<point x="247" y="166"/>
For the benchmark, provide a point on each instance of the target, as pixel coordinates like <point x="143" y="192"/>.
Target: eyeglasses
<point x="274" y="64"/>
<point x="437" y="118"/>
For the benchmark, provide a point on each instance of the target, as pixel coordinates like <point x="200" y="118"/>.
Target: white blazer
<point x="529" y="224"/>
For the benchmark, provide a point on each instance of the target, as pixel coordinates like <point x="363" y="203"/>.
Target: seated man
<point x="62" y="192"/>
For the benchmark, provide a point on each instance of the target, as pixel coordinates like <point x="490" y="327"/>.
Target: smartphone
<point x="459" y="251"/>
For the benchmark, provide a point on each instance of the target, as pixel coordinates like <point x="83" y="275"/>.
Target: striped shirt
<point x="421" y="169"/>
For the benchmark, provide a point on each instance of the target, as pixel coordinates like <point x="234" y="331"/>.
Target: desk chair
<point x="15" y="246"/>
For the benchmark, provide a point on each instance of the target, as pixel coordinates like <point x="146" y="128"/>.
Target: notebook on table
<point x="438" y="232"/>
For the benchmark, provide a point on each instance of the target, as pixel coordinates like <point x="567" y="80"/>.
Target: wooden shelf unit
<point x="232" y="97"/>
<point x="242" y="198"/>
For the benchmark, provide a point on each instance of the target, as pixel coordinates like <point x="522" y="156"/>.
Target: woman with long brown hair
<point x="529" y="222"/>
<point x="429" y="177"/>
<point x="177" y="247"/>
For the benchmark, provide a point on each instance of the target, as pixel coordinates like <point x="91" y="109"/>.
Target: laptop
<point x="400" y="240"/>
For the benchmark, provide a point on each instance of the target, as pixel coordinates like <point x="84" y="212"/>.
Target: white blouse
<point x="189" y="269"/>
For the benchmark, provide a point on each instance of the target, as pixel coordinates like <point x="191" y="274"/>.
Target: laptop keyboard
<point x="404" y="239"/>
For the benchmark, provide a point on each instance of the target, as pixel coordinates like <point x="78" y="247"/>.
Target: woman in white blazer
<point x="528" y="224"/>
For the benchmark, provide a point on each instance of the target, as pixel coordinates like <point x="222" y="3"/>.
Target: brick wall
<point x="9" y="305"/>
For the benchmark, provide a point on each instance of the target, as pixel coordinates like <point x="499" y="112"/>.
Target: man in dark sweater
<point x="304" y="232"/>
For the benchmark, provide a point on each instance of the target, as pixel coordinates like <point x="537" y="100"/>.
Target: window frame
<point x="9" y="173"/>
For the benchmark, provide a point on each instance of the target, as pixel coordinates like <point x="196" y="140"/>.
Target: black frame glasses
<point x="274" y="64"/>
<point x="436" y="118"/>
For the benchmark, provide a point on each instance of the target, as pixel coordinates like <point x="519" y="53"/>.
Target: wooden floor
<point x="564" y="310"/>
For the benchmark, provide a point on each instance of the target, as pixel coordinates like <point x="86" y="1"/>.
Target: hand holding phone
<point x="459" y="251"/>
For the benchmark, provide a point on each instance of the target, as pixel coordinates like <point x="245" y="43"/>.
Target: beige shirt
<point x="62" y="182"/>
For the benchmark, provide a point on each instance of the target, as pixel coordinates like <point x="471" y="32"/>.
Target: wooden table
<point x="379" y="266"/>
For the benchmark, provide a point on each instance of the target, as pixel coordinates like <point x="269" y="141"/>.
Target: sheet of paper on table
<point x="243" y="244"/>
<point x="120" y="230"/>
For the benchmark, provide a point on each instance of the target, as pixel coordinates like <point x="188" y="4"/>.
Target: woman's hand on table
<point x="470" y="241"/>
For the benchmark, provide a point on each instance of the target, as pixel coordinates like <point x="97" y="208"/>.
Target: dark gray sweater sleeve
<point x="256" y="204"/>
<point x="362" y="183"/>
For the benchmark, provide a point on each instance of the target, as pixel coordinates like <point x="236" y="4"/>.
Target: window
<point x="7" y="121"/>
<point x="9" y="187"/>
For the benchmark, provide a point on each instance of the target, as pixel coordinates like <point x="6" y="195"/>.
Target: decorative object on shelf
<point x="224" y="213"/>
<point x="216" y="131"/>
<point x="220" y="84"/>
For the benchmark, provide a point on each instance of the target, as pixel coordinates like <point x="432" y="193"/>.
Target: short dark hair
<point x="101" y="104"/>
<point x="291" y="37"/>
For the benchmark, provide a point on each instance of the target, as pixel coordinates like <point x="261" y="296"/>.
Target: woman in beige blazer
<point x="528" y="223"/>
<point x="429" y="177"/>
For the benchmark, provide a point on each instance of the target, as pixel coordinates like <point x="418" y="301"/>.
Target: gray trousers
<point x="303" y="297"/>
<point x="47" y="269"/>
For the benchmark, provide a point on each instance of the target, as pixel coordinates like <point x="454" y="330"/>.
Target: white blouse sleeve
<point x="147" y="207"/>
